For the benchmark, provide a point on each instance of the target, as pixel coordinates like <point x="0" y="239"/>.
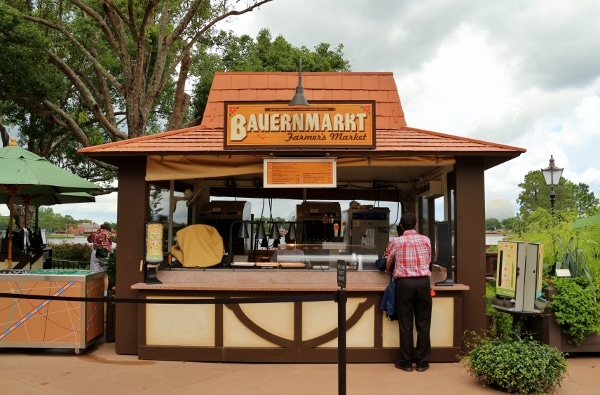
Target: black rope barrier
<point x="231" y="300"/>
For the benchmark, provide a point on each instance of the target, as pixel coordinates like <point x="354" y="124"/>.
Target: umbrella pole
<point x="8" y="261"/>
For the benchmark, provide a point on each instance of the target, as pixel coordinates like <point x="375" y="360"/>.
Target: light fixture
<point x="243" y="231"/>
<point x="291" y="234"/>
<point x="260" y="233"/>
<point x="552" y="175"/>
<point x="299" y="99"/>
<point x="275" y="231"/>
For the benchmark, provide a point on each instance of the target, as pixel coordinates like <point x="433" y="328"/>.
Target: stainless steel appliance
<point x="367" y="229"/>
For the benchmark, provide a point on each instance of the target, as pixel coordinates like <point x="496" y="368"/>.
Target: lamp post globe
<point x="552" y="175"/>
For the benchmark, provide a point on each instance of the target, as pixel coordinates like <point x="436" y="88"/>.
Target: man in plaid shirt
<point x="410" y="256"/>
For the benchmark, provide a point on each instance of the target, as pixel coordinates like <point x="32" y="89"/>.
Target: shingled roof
<point x="393" y="136"/>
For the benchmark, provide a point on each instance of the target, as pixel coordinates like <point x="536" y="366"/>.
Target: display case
<point x="51" y="323"/>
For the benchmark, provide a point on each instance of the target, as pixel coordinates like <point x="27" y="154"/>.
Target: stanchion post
<point x="341" y="299"/>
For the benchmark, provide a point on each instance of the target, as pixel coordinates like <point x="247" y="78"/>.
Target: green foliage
<point x="79" y="252"/>
<point x="492" y="224"/>
<point x="500" y="324"/>
<point x="224" y="51"/>
<point x="573" y="259"/>
<point x="522" y="366"/>
<point x="72" y="251"/>
<point x="512" y="224"/>
<point x="564" y="247"/>
<point x="570" y="197"/>
<point x="576" y="308"/>
<point x="77" y="74"/>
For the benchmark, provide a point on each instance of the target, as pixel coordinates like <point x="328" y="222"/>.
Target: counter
<point x="290" y="331"/>
<point x="39" y="323"/>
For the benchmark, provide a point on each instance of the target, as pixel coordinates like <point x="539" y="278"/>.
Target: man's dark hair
<point x="408" y="221"/>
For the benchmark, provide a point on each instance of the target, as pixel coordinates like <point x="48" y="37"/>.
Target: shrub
<point x="72" y="251"/>
<point x="575" y="307"/>
<point x="519" y="365"/>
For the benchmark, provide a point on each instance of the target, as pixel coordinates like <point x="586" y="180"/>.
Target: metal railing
<point x="67" y="264"/>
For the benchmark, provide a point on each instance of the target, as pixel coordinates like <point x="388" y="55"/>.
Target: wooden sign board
<point x="277" y="126"/>
<point x="299" y="173"/>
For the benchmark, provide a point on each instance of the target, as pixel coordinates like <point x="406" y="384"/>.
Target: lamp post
<point x="552" y="175"/>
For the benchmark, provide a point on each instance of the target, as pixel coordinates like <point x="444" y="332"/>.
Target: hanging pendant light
<point x="299" y="99"/>
<point x="275" y="231"/>
<point x="260" y="233"/>
<point x="291" y="234"/>
<point x="243" y="232"/>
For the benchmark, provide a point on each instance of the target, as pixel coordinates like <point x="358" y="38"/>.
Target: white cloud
<point x="524" y="74"/>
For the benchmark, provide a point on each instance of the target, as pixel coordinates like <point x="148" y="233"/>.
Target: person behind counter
<point x="102" y="238"/>
<point x="290" y="253"/>
<point x="411" y="254"/>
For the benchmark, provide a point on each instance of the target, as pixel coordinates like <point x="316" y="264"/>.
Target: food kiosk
<point x="351" y="142"/>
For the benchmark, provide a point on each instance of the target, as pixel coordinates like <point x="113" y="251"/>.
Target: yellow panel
<point x="180" y="325"/>
<point x="442" y="322"/>
<point x="276" y="318"/>
<point x="390" y="332"/>
<point x="363" y="333"/>
<point x="321" y="317"/>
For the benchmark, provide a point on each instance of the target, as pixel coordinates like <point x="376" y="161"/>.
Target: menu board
<point x="300" y="173"/>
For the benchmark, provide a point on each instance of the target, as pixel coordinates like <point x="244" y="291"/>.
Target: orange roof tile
<point x="392" y="134"/>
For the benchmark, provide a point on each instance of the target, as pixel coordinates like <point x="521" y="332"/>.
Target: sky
<point x="514" y="72"/>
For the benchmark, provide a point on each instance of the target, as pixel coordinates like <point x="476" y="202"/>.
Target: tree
<point x="586" y="201"/>
<point x="492" y="223"/>
<point x="570" y="197"/>
<point x="512" y="224"/>
<point x="227" y="52"/>
<point x="105" y="70"/>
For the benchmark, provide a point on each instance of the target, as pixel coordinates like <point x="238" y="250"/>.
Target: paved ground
<point x="100" y="370"/>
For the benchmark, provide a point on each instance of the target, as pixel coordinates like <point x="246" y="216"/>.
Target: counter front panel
<point x="40" y="323"/>
<point x="297" y="331"/>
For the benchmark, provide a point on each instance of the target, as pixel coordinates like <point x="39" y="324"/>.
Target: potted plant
<point x="574" y="299"/>
<point x="574" y="303"/>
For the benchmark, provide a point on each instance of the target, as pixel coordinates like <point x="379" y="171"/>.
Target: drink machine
<point x="519" y="276"/>
<point x="367" y="229"/>
<point x="221" y="214"/>
<point x="318" y="221"/>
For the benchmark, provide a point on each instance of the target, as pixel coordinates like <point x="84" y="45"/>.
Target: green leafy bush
<point x="72" y="251"/>
<point x="519" y="365"/>
<point x="575" y="306"/>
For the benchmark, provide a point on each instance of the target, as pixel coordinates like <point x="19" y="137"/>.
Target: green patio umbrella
<point x="49" y="199"/>
<point x="587" y="221"/>
<point x="26" y="175"/>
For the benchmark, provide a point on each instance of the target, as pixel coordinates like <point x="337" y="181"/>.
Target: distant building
<point x="89" y="227"/>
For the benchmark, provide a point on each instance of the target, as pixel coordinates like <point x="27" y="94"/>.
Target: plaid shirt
<point x="412" y="254"/>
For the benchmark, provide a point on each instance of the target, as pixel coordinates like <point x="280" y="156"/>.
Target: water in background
<point x="493" y="239"/>
<point x="70" y="240"/>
